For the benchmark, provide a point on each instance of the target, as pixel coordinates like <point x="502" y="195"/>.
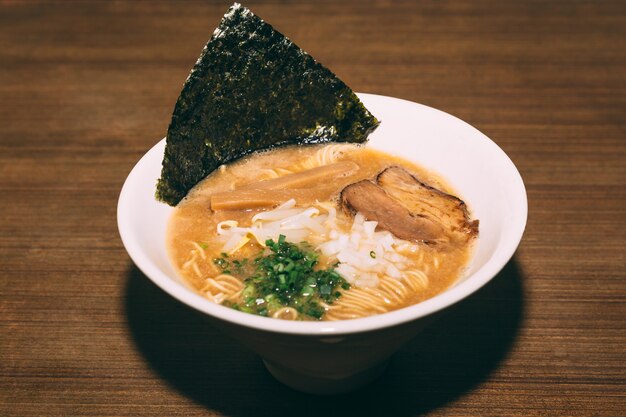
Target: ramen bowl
<point x="328" y="357"/>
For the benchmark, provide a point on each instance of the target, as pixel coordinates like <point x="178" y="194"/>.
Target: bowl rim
<point x="394" y="318"/>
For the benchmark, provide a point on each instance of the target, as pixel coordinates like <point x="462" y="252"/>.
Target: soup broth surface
<point x="194" y="243"/>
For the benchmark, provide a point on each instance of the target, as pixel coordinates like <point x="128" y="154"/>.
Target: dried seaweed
<point x="252" y="89"/>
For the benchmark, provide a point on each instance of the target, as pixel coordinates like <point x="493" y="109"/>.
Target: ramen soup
<point x="320" y="232"/>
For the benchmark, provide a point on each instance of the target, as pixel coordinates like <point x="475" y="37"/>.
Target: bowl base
<point x="320" y="385"/>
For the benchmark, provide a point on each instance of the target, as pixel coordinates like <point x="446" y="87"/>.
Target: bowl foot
<point x="321" y="385"/>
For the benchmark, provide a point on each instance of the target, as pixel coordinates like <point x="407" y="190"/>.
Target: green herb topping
<point x="286" y="277"/>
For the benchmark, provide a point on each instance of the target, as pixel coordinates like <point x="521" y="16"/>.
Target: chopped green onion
<point x="285" y="278"/>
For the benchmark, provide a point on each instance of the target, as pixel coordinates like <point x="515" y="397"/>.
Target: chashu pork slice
<point x="375" y="204"/>
<point x="429" y="203"/>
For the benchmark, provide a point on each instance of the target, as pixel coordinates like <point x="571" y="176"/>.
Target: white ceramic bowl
<point x="332" y="357"/>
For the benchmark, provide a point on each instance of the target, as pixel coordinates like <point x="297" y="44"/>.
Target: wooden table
<point x="87" y="87"/>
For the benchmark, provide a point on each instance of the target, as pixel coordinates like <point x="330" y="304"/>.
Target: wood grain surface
<point x="87" y="87"/>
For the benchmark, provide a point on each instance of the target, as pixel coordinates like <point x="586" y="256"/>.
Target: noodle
<point x="222" y="287"/>
<point x="327" y="155"/>
<point x="199" y="250"/>
<point x="286" y="313"/>
<point x="362" y="302"/>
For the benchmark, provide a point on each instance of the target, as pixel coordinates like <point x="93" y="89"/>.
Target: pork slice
<point x="375" y="204"/>
<point x="428" y="202"/>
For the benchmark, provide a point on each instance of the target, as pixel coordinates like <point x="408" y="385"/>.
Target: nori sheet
<point x="252" y="89"/>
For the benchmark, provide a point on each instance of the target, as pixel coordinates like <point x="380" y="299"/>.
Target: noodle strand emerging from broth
<point x="362" y="301"/>
<point x="286" y="313"/>
<point x="327" y="155"/>
<point x="222" y="287"/>
<point x="194" y="254"/>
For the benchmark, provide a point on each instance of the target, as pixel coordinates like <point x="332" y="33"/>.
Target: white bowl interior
<point x="475" y="166"/>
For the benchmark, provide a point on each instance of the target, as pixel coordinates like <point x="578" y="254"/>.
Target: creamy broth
<point x="194" y="244"/>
